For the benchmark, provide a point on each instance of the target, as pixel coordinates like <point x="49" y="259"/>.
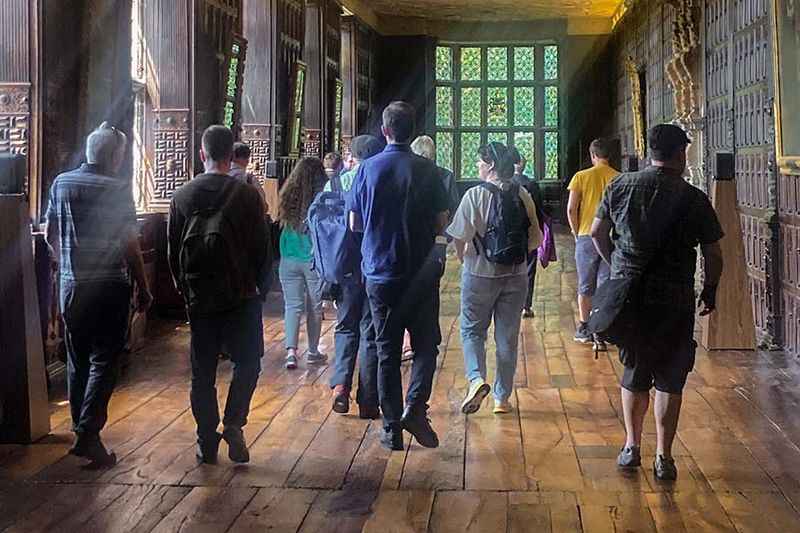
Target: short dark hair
<point x="241" y="151"/>
<point x="332" y="160"/>
<point x="218" y="143"/>
<point x="499" y="155"/>
<point x="666" y="140"/>
<point x="514" y="154"/>
<point x="600" y="148"/>
<point x="365" y="146"/>
<point x="398" y="118"/>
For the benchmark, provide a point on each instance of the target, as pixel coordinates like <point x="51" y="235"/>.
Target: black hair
<point x="499" y="155"/>
<point x="514" y="154"/>
<point x="365" y="146"/>
<point x="218" y="143"/>
<point x="398" y="118"/>
<point x="600" y="148"/>
<point x="241" y="151"/>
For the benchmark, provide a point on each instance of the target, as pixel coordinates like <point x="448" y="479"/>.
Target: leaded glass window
<point x="498" y="93"/>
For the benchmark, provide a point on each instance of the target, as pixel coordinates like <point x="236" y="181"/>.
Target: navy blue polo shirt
<point x="398" y="196"/>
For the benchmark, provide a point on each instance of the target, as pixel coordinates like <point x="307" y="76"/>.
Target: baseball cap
<point x="666" y="138"/>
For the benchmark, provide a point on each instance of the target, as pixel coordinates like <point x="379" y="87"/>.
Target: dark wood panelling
<point x="14" y="42"/>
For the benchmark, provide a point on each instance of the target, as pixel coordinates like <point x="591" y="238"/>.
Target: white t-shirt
<point x="471" y="220"/>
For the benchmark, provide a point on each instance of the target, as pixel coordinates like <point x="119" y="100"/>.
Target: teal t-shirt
<point x="346" y="179"/>
<point x="295" y="245"/>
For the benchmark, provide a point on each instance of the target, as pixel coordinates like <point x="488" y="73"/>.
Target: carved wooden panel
<point x="14" y="117"/>
<point x="171" y="133"/>
<point x="258" y="137"/>
<point x="312" y="143"/>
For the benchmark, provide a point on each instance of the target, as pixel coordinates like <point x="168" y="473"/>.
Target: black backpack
<point x="210" y="274"/>
<point x="506" y="239"/>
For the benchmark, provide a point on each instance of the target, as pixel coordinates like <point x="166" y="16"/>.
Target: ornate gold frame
<point x="788" y="163"/>
<point x="636" y="107"/>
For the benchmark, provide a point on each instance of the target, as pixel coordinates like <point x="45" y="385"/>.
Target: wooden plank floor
<point x="549" y="466"/>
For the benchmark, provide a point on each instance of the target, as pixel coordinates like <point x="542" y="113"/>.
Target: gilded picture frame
<point x="786" y="64"/>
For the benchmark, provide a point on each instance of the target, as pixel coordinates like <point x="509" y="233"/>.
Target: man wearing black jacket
<point x="235" y="328"/>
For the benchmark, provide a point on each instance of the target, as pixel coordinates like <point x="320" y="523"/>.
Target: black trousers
<point x="397" y="306"/>
<point x="96" y="319"/>
<point x="240" y="334"/>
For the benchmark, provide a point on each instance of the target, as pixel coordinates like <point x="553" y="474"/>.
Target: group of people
<point x="402" y="213"/>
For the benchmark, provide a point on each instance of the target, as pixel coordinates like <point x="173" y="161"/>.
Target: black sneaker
<point x="417" y="423"/>
<point x="98" y="456"/>
<point x="368" y="412"/>
<point x="630" y="457"/>
<point x="207" y="450"/>
<point x="237" y="447"/>
<point x="664" y="468"/>
<point x="392" y="440"/>
<point x="341" y="400"/>
<point x="582" y="334"/>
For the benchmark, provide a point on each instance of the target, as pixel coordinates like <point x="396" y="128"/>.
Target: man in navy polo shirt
<point x="400" y="204"/>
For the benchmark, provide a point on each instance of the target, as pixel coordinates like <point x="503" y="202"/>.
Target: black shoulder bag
<point x="615" y="316"/>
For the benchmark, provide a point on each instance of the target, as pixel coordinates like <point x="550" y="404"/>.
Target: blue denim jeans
<point x="302" y="292"/>
<point x="484" y="299"/>
<point x="355" y="337"/>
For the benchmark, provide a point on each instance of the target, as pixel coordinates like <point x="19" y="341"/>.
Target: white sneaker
<point x="502" y="407"/>
<point x="291" y="361"/>
<point x="478" y="390"/>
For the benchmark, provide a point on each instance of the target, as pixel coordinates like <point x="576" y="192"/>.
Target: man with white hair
<point x="91" y="227"/>
<point x="425" y="147"/>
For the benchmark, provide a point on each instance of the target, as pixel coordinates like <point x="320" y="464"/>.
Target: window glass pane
<point x="470" y="142"/>
<point x="444" y="106"/>
<point x="444" y="63"/>
<point x="498" y="106"/>
<point x="523" y="63"/>
<point x="525" y="143"/>
<point x="498" y="137"/>
<point x="551" y="62"/>
<point x="444" y="150"/>
<point x="551" y="155"/>
<point x="524" y="106"/>
<point x="498" y="63"/>
<point x="551" y="106"/>
<point x="471" y="64"/>
<point x="470" y="106"/>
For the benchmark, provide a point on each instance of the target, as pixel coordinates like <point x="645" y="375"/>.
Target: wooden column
<point x="169" y="29"/>
<point x="350" y="81"/>
<point x="262" y="75"/>
<point x="19" y="89"/>
<point x="314" y="58"/>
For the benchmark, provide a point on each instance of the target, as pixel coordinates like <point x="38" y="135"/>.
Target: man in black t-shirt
<point x="647" y="227"/>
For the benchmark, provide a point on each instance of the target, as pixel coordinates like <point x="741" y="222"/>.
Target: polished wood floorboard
<point x="549" y="466"/>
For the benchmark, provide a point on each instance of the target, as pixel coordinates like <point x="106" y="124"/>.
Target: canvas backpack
<point x="506" y="239"/>
<point x="337" y="254"/>
<point x="210" y="271"/>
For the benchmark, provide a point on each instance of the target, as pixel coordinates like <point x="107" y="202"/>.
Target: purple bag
<point x="547" y="250"/>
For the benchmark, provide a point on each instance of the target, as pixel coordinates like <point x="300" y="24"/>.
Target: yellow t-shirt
<point x="591" y="183"/>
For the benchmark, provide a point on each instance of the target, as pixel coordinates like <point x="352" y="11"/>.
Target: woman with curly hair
<point x="302" y="287"/>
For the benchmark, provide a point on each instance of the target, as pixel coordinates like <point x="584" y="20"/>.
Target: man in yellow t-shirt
<point x="585" y="192"/>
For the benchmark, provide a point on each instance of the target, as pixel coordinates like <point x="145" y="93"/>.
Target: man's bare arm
<point x="712" y="259"/>
<point x="460" y="247"/>
<point x="51" y="237"/>
<point x="601" y="236"/>
<point x="574" y="211"/>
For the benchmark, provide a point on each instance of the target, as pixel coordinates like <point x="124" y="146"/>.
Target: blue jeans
<point x="302" y="292"/>
<point x="355" y="335"/>
<point x="481" y="300"/>
<point x="592" y="270"/>
<point x="240" y="333"/>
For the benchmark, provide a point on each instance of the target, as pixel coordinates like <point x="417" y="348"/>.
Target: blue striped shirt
<point x="96" y="218"/>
